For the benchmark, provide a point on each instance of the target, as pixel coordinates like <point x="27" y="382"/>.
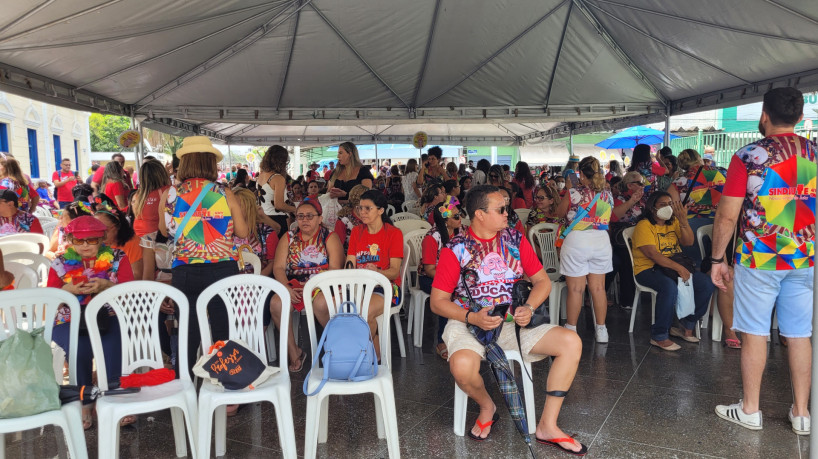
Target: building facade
<point x="39" y="135"/>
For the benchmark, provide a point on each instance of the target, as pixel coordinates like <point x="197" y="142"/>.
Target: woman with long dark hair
<point x="524" y="179"/>
<point x="273" y="191"/>
<point x="432" y="196"/>
<point x="378" y="246"/>
<point x="11" y="177"/>
<point x="411" y="191"/>
<point x="447" y="225"/>
<point x="114" y="185"/>
<point x="482" y="172"/>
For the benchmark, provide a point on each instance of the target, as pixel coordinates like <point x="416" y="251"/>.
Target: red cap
<point x="85" y="227"/>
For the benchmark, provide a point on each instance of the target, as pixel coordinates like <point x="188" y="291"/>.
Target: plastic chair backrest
<point x="42" y="212"/>
<point x="43" y="242"/>
<point x="414" y="239"/>
<point x="38" y="263"/>
<point x="705" y="231"/>
<point x="24" y="276"/>
<point x="8" y="246"/>
<point x="28" y="309"/>
<point x="245" y="298"/>
<point x="49" y="227"/>
<point x="390" y="210"/>
<point x="136" y="305"/>
<point x="523" y="214"/>
<point x="407" y="226"/>
<point x="253" y="260"/>
<point x="409" y="206"/>
<point x="404" y="216"/>
<point x="627" y="235"/>
<point x="356" y="285"/>
<point x="548" y="250"/>
<point x="404" y="268"/>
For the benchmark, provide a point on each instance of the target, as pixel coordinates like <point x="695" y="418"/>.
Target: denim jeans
<point x="111" y="342"/>
<point x="192" y="280"/>
<point x="425" y="283"/>
<point x="667" y="292"/>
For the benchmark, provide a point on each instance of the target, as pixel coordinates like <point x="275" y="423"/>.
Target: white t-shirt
<point x="407" y="181"/>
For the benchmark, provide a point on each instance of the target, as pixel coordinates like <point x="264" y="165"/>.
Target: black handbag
<point x="519" y="297"/>
<point x="103" y="321"/>
<point x="681" y="259"/>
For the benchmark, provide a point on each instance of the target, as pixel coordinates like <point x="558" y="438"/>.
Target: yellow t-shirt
<point x="664" y="237"/>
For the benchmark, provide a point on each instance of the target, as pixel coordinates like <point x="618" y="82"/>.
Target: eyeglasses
<point x="455" y="216"/>
<point x="305" y="216"/>
<point x="366" y="209"/>
<point x="88" y="241"/>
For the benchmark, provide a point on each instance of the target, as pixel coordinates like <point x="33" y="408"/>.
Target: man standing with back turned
<point x="771" y="185"/>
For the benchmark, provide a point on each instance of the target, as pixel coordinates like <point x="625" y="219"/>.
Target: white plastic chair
<point x="28" y="309"/>
<point x="409" y="206"/>
<point x="24" y="276"/>
<point x="49" y="227"/>
<point x="38" y="263"/>
<point x="406" y="226"/>
<point x="400" y="216"/>
<point x="356" y="286"/>
<point x="43" y="241"/>
<point x="42" y="212"/>
<point x="8" y="246"/>
<point x="396" y="309"/>
<point x="390" y="210"/>
<point x="523" y="214"/>
<point x="137" y="305"/>
<point x="253" y="260"/>
<point x="545" y="236"/>
<point x="627" y="234"/>
<point x="461" y="399"/>
<point x="245" y="297"/>
<point x="703" y="232"/>
<point x="414" y="240"/>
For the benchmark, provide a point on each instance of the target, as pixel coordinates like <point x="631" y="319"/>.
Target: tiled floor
<point x="629" y="400"/>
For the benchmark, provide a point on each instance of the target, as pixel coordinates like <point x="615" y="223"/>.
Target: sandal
<point x="483" y="426"/>
<point x="442" y="352"/>
<point x="732" y="343"/>
<point x="556" y="442"/>
<point x="300" y="360"/>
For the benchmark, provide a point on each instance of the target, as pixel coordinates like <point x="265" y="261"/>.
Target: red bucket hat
<point x="86" y="226"/>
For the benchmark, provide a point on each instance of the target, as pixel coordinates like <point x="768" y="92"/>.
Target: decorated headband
<point x="101" y="205"/>
<point x="85" y="207"/>
<point x="448" y="207"/>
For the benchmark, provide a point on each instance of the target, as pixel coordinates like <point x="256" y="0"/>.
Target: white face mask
<point x="665" y="213"/>
<point x="561" y="185"/>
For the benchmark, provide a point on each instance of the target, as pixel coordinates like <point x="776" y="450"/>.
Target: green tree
<point x="105" y="131"/>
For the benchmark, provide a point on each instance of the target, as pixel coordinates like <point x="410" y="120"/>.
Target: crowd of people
<point x="188" y="222"/>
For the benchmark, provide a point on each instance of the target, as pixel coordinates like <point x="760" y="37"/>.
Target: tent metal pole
<point x="571" y="141"/>
<point x="229" y="157"/>
<point x="377" y="162"/>
<point x="667" y="126"/>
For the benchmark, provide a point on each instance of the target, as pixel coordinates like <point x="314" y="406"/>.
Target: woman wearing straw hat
<point x="206" y="215"/>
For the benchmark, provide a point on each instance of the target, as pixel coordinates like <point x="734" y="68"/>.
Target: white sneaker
<point x="573" y="328"/>
<point x="735" y="413"/>
<point x="800" y="424"/>
<point x="602" y="334"/>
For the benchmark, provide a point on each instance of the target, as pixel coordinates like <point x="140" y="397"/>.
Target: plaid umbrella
<point x="500" y="367"/>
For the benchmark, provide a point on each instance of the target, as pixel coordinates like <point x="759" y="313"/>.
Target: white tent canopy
<point x="492" y="72"/>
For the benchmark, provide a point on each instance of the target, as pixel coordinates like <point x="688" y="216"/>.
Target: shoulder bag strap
<point x="581" y="213"/>
<point x="194" y="206"/>
<point x="696" y="177"/>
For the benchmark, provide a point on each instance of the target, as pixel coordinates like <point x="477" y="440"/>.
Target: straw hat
<point x="198" y="144"/>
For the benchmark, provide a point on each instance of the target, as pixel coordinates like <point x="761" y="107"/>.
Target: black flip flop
<point x="483" y="427"/>
<point x="556" y="442"/>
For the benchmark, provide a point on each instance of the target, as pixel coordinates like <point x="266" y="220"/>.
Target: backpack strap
<point x="315" y="365"/>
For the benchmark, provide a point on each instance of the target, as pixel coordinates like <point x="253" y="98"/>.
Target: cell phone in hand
<point x="574" y="179"/>
<point x="79" y="280"/>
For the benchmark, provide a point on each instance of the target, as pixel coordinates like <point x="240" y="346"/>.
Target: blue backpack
<point x="349" y="354"/>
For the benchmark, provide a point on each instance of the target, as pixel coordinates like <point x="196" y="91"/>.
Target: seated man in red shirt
<point x="13" y="220"/>
<point x="500" y="256"/>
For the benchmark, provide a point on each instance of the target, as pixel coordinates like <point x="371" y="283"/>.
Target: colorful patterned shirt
<point x="307" y="258"/>
<point x="598" y="216"/>
<point x="706" y="192"/>
<point x="776" y="177"/>
<point x="21" y="222"/>
<point x="208" y="236"/>
<point x="538" y="216"/>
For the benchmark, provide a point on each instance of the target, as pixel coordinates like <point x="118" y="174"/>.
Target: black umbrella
<point x="72" y="393"/>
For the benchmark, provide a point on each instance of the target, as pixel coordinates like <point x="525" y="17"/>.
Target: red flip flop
<point x="483" y="426"/>
<point x="556" y="442"/>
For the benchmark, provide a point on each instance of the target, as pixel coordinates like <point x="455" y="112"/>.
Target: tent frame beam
<point x="496" y="53"/>
<point x="26" y="15"/>
<point x="618" y="51"/>
<point x="313" y="140"/>
<point x="225" y="54"/>
<point x="138" y="34"/>
<point x="181" y="128"/>
<point x="289" y="61"/>
<point x="426" y="53"/>
<point x="59" y="21"/>
<point x="358" y="54"/>
<point x="668" y="45"/>
<point x="793" y="12"/>
<point x="707" y="24"/>
<point x="557" y="57"/>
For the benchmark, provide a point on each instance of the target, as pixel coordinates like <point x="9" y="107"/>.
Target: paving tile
<point x="610" y="447"/>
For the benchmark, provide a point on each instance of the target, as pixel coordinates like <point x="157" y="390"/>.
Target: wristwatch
<point x="530" y="308"/>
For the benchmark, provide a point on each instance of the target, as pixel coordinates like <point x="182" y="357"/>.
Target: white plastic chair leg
<point x="324" y="428"/>
<point x="205" y="429"/>
<point x="220" y="429"/>
<point x="286" y="427"/>
<point x="554" y="303"/>
<point x="270" y="342"/>
<point x="3" y="445"/>
<point x="461" y="400"/>
<point x="633" y="308"/>
<point x="420" y="310"/>
<point x="410" y="312"/>
<point x="108" y="436"/>
<point x="390" y="416"/>
<point x="311" y="430"/>
<point x="379" y="417"/>
<point x="74" y="434"/>
<point x="528" y="391"/>
<point x="178" y="420"/>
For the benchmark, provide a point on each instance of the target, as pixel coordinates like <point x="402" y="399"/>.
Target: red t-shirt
<point x="328" y="174"/>
<point x="429" y="250"/>
<point x="271" y="243"/>
<point x="36" y="227"/>
<point x="377" y="249"/>
<point x="736" y="185"/>
<point x="97" y="178"/>
<point x="64" y="190"/>
<point x="148" y="220"/>
<point x="448" y="267"/>
<point x="114" y="189"/>
<point x="519" y="203"/>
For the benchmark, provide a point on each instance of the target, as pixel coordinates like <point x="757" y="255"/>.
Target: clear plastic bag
<point x="27" y="383"/>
